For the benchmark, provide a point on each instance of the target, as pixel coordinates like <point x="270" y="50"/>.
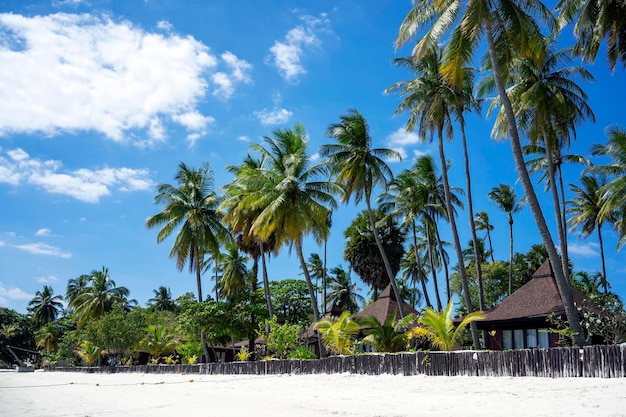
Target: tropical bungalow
<point x="385" y="306"/>
<point x="520" y="320"/>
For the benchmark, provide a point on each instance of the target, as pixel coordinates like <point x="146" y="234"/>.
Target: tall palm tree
<point x="505" y="198"/>
<point x="407" y="198"/>
<point x="343" y="292"/>
<point x="99" y="297"/>
<point x="431" y="103"/>
<point x="413" y="270"/>
<point x="358" y="169"/>
<point x="315" y="265"/>
<point x="162" y="300"/>
<point x="75" y="286"/>
<point x="46" y="338"/>
<point x="596" y="21"/>
<point x="240" y="214"/>
<point x="234" y="272"/>
<point x="548" y="104"/>
<point x="483" y="224"/>
<point x="191" y="212"/>
<point x="510" y="29"/>
<point x="585" y="210"/>
<point x="45" y="306"/>
<point x="615" y="189"/>
<point x="293" y="204"/>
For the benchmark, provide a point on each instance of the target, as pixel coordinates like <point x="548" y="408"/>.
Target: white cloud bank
<point x="586" y="250"/>
<point x="14" y="293"/>
<point x="83" y="184"/>
<point x="70" y="72"/>
<point x="401" y="139"/>
<point x="286" y="54"/>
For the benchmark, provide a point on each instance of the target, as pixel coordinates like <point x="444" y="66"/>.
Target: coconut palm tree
<point x="585" y="209"/>
<point x="595" y="22"/>
<point x="343" y="292"/>
<point x="510" y="29"/>
<point x="483" y="224"/>
<point x="46" y="338"/>
<point x="431" y="103"/>
<point x="439" y="328"/>
<point x="413" y="271"/>
<point x="162" y="300"/>
<point x="359" y="169"/>
<point x="99" y="297"/>
<point x="88" y="352"/>
<point x="505" y="198"/>
<point x="339" y="334"/>
<point x="239" y="215"/>
<point x="315" y="265"/>
<point x="234" y="272"/>
<point x="45" y="306"/>
<point x="191" y="212"/>
<point x="614" y="190"/>
<point x="158" y="342"/>
<point x="75" y="286"/>
<point x="391" y="336"/>
<point x="293" y="204"/>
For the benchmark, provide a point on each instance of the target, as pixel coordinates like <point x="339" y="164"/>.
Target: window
<point x="507" y="339"/>
<point x="531" y="338"/>
<point x="543" y="338"/>
<point x="525" y="338"/>
<point x="518" y="338"/>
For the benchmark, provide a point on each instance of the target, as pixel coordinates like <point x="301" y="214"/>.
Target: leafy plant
<point x="390" y="336"/>
<point x="244" y="354"/>
<point x="302" y="353"/>
<point x="339" y="334"/>
<point x="281" y="338"/>
<point x="88" y="352"/>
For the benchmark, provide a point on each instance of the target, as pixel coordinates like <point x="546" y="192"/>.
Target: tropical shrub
<point x="302" y="353"/>
<point x="281" y="338"/>
<point x="390" y="336"/>
<point x="339" y="335"/>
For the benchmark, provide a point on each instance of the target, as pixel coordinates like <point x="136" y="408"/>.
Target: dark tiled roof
<point x="534" y="300"/>
<point x="385" y="306"/>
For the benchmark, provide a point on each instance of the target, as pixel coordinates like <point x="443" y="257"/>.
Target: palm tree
<point x="239" y="215"/>
<point x="234" y="272"/>
<point x="483" y="224"/>
<point x="358" y="169"/>
<point x="99" y="297"/>
<point x="585" y="210"/>
<point x="614" y="190"/>
<point x="158" y="342"/>
<point x="548" y="104"/>
<point x="46" y="338"/>
<point x="343" y="292"/>
<point x="431" y="102"/>
<point x="76" y="286"/>
<point x="316" y="270"/>
<point x="390" y="336"/>
<point x="413" y="271"/>
<point x="510" y="30"/>
<point x="162" y="300"/>
<point x="191" y="210"/>
<point x="293" y="205"/>
<point x="45" y="306"/>
<point x="505" y="198"/>
<point x="339" y="334"/>
<point x="88" y="352"/>
<point x="596" y="21"/>
<point x="439" y="328"/>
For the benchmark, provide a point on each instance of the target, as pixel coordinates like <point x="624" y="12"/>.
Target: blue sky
<point x="101" y="100"/>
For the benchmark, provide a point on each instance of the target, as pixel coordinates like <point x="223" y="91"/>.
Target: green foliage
<point x="339" y="334"/>
<point x="362" y="252"/>
<point x="244" y="354"/>
<point x="302" y="353"/>
<point x="15" y="330"/>
<point x="281" y="338"/>
<point x="390" y="336"/>
<point x="560" y="327"/>
<point x="88" y="352"/>
<point x="290" y="301"/>
<point x="117" y="331"/>
<point x="604" y="315"/>
<point x="45" y="306"/>
<point x="439" y="329"/>
<point x="189" y="351"/>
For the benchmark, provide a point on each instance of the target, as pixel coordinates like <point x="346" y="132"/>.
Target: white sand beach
<point x="47" y="394"/>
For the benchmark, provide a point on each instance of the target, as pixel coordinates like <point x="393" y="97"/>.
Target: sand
<point x="50" y="394"/>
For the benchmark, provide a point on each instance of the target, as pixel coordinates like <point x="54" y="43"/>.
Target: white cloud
<point x="287" y="54"/>
<point x="47" y="280"/>
<point x="43" y="232"/>
<point x="43" y="249"/>
<point x="243" y="138"/>
<point x="400" y="139"/>
<point x="165" y="25"/>
<point x="273" y="117"/>
<point x="14" y="293"/>
<point x="82" y="184"/>
<point x="586" y="250"/>
<point x="71" y="73"/>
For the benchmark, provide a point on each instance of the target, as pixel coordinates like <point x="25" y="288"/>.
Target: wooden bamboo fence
<point x="592" y="361"/>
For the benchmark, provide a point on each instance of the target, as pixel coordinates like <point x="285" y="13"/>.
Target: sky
<point x="101" y="100"/>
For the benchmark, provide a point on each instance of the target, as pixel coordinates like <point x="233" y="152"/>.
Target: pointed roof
<point x="534" y="300"/>
<point x="385" y="306"/>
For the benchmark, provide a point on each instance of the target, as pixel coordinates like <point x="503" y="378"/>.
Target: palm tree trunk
<point x="431" y="257"/>
<point x="445" y="264"/>
<point x="470" y="209"/>
<point x="324" y="294"/>
<point x="510" y="253"/>
<point x="266" y="282"/>
<point x="199" y="283"/>
<point x="563" y="286"/>
<point x="455" y="236"/>
<point x="563" y="211"/>
<point x="420" y="272"/>
<point x="309" y="284"/>
<point x="557" y="204"/>
<point x="605" y="284"/>
<point x="490" y="245"/>
<point x="392" y="279"/>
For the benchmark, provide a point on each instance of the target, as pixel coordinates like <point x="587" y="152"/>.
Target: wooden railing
<point x="591" y="361"/>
